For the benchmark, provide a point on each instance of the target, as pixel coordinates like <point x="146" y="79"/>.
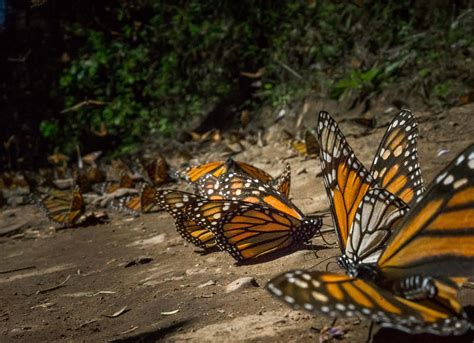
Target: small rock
<point x="193" y="271"/>
<point x="209" y="283"/>
<point x="244" y="282"/>
<point x="149" y="241"/>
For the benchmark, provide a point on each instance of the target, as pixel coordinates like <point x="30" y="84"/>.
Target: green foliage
<point x="357" y="80"/>
<point x="444" y="89"/>
<point x="156" y="68"/>
<point x="49" y="129"/>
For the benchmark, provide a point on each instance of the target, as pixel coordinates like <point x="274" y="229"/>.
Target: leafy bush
<point x="156" y="68"/>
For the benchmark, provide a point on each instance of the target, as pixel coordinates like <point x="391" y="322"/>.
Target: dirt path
<point x="134" y="279"/>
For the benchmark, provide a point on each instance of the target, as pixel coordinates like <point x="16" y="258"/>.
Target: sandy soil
<point x="134" y="279"/>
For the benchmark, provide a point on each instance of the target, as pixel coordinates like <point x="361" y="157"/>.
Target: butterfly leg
<point x="369" y="334"/>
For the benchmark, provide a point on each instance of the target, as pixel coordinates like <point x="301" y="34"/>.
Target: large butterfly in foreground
<point x="62" y="207"/>
<point x="217" y="168"/>
<point x="412" y="287"/>
<point x="259" y="222"/>
<point x="365" y="205"/>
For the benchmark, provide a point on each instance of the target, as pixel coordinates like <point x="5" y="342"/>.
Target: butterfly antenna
<point x="369" y="335"/>
<point x="326" y="259"/>
<point x="315" y="252"/>
<point x="324" y="239"/>
<point x="327" y="266"/>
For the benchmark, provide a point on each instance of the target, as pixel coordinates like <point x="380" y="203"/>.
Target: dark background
<point x="105" y="74"/>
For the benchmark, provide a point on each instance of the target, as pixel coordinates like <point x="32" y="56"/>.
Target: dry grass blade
<point x="16" y="270"/>
<point x="54" y="287"/>
<point x="133" y="328"/>
<point x="169" y="313"/>
<point x="118" y="313"/>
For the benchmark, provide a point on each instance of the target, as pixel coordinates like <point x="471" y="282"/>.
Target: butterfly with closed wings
<point x="309" y="147"/>
<point x="63" y="207"/>
<point x="411" y="287"/>
<point x="364" y="226"/>
<point x="365" y="205"/>
<point x="137" y="204"/>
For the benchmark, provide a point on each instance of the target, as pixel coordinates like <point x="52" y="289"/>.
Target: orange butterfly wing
<point x="346" y="179"/>
<point x="337" y="295"/>
<point x="62" y="207"/>
<point x="436" y="238"/>
<point x="395" y="166"/>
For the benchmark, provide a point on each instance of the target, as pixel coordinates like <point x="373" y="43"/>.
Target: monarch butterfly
<point x="137" y="204"/>
<point x="156" y="169"/>
<point x="217" y="168"/>
<point x="178" y="204"/>
<point x="283" y="182"/>
<point x="109" y="187"/>
<point x="85" y="177"/>
<point x="365" y="205"/>
<point x="247" y="221"/>
<point x="62" y="207"/>
<point x="129" y="204"/>
<point x="211" y="187"/>
<point x="308" y="147"/>
<point x="407" y="288"/>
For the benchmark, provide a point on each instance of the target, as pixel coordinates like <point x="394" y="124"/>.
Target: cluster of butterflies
<point x="405" y="250"/>
<point x="67" y="208"/>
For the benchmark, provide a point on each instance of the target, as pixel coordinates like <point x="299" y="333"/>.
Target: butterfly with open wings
<point x="197" y="174"/>
<point x="247" y="217"/>
<point x="234" y="184"/>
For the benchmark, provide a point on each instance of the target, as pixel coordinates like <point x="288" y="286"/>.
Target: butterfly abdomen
<point x="416" y="287"/>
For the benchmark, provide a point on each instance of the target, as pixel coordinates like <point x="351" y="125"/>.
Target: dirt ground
<point x="134" y="279"/>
